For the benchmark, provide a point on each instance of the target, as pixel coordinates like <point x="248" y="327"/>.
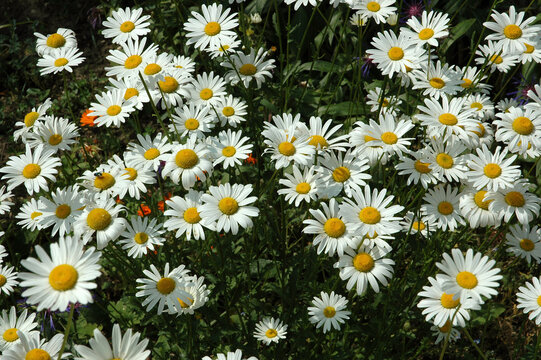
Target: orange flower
<point x="143" y="210"/>
<point x="273" y="48"/>
<point x="118" y="200"/>
<point x="161" y="204"/>
<point x="251" y="160"/>
<point x="87" y="120"/>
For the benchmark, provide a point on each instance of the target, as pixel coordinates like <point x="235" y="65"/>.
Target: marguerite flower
<point x="32" y="347"/>
<point x="231" y="110"/>
<point x="270" y="330"/>
<point x="247" y="67"/>
<point x="141" y="235"/>
<point x="184" y="216"/>
<point x="132" y="59"/>
<point x="519" y="127"/>
<point x="524" y="242"/>
<point x="442" y="207"/>
<point x="474" y="208"/>
<point x="62" y="211"/>
<point x="198" y="295"/>
<point x="207" y="89"/>
<point x="300" y="186"/>
<point x="495" y="57"/>
<point x="124" y="24"/>
<point x="5" y="204"/>
<point x="320" y="135"/>
<point x="378" y="10"/>
<point x="417" y="169"/>
<point x="285" y="147"/>
<point x="60" y="60"/>
<point x="345" y="171"/>
<point x="191" y="120"/>
<point x="30" y="215"/>
<point x="149" y="151"/>
<point x="210" y="29"/>
<point x="112" y="109"/>
<point x="392" y="54"/>
<point x="231" y="148"/>
<point x="61" y="39"/>
<point x="492" y="171"/>
<point x="30" y="119"/>
<point x="237" y="355"/>
<point x="328" y="311"/>
<point x="10" y="325"/>
<point x="514" y="200"/>
<point x="55" y="133"/>
<point x="529" y="297"/>
<point x="511" y="32"/>
<point x="433" y="26"/>
<point x="8" y="279"/>
<point x="437" y="80"/>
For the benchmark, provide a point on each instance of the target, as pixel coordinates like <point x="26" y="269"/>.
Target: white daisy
<point x="270" y="330"/>
<point x="285" y="148"/>
<point x="209" y="29"/>
<point x="298" y="3"/>
<point x="442" y="333"/>
<point x="228" y="46"/>
<point x="156" y="67"/>
<point x="387" y="104"/>
<point x="62" y="211"/>
<point x="511" y="32"/>
<point x="184" y="215"/>
<point x="191" y="120"/>
<point x="111" y="108"/>
<point x="417" y="223"/>
<point x="32" y="347"/>
<point x="300" y="186"/>
<point x="417" y="169"/>
<point x="61" y="39"/>
<point x="532" y="52"/>
<point x="378" y="10"/>
<point x="515" y="200"/>
<point x="472" y="79"/>
<point x="446" y="159"/>
<point x="11" y="324"/>
<point x="206" y="89"/>
<point x="30" y="215"/>
<point x="441" y="204"/>
<point x="198" y="295"/>
<point x="231" y="110"/>
<point x="5" y="196"/>
<point x="106" y="179"/>
<point x="390" y="135"/>
<point x="124" y="24"/>
<point x="30" y="119"/>
<point x="328" y="311"/>
<point x="172" y="90"/>
<point x="132" y="88"/>
<point x="237" y="355"/>
<point x="481" y="103"/>
<point x="392" y="54"/>
<point x="437" y="80"/>
<point x="519" y="127"/>
<point x="141" y="236"/>
<point x="55" y="133"/>
<point x="529" y="299"/>
<point x="474" y="208"/>
<point x="231" y="148"/>
<point x="132" y="59"/>
<point x="149" y="151"/>
<point x="492" y="171"/>
<point x="245" y="67"/>
<point x="8" y="279"/>
<point x="60" y="60"/>
<point x="524" y="242"/>
<point x="345" y="171"/>
<point x="138" y="174"/>
<point x="495" y="57"/>
<point x="320" y="135"/>
<point x="433" y="26"/>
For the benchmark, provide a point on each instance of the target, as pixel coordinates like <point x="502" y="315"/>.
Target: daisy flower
<point x="299" y="3"/>
<point x="532" y="52"/>
<point x="492" y="171"/>
<point x="442" y="333"/>
<point x="378" y="10"/>
<point x="328" y="311"/>
<point x="211" y="28"/>
<point x="231" y="148"/>
<point x="433" y="26"/>
<point x="529" y="299"/>
<point x="125" y="346"/>
<point x="61" y="39"/>
<point x="417" y="224"/>
<point x="390" y="135"/>
<point x="505" y="104"/>
<point x="62" y="211"/>
<point x="111" y="108"/>
<point x="482" y="136"/>
<point x="514" y="200"/>
<point x="187" y="162"/>
<point x="138" y="176"/>
<point x="60" y="60"/>
<point x="237" y="355"/>
<point x="101" y="218"/>
<point x="207" y="89"/>
<point x="172" y="90"/>
<point x="227" y="46"/>
<point x="184" y="64"/>
<point x="345" y="171"/>
<point x="524" y="242"/>
<point x="370" y="213"/>
<point x="141" y="235"/>
<point x="471" y="276"/>
<point x="65" y="277"/>
<point x="8" y="279"/>
<point x="285" y="147"/>
<point x="231" y="110"/>
<point x="106" y="179"/>
<point x="184" y="215"/>
<point x="392" y="54"/>
<point x="481" y="103"/>
<point x="32" y="169"/>
<point x="320" y="135"/>
<point x="474" y="208"/>
<point x="365" y="266"/>
<point x="270" y="330"/>
<point x="124" y="24"/>
<point x="192" y="120"/>
<point x="156" y="67"/>
<point x="440" y="307"/>
<point x="357" y="19"/>
<point x="519" y="127"/>
<point x="148" y="151"/>
<point x="384" y="104"/>
<point x="30" y="119"/>
<point x="10" y="324"/>
<point x="511" y="32"/>
<point x="198" y="295"/>
<point x="5" y="204"/>
<point x="495" y="57"/>
<point x="55" y="134"/>
<point x="417" y="169"/>
<point x="301" y="186"/>
<point x="472" y="78"/>
<point x="132" y="88"/>
<point x="437" y="80"/>
<point x="441" y="204"/>
<point x="163" y="290"/>
<point x="247" y="67"/>
<point x="30" y="215"/>
<point x="32" y="347"/>
<point x="131" y="60"/>
<point x="229" y="206"/>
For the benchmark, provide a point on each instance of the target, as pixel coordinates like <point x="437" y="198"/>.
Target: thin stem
<point x="474" y="344"/>
<point x="66" y="333"/>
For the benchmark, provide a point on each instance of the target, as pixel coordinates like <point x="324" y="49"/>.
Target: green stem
<point x="66" y="333"/>
<point x="475" y="345"/>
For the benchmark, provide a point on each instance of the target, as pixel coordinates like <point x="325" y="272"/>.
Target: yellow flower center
<point x="512" y="31"/>
<point x="271" y="333"/>
<point x="395" y="53"/>
<point x="130" y="92"/>
<point x="492" y="170"/>
<point x="35" y="214"/>
<point x="422" y="167"/>
<point x="529" y="49"/>
<point x="63" y="277"/>
<point x="56" y="40"/>
<point x="481" y="131"/>
<point x="37" y="354"/>
<point x="448" y="119"/>
<point x="389" y="138"/>
<point x="303" y="188"/>
<point x="132" y="173"/>
<point x="224" y="48"/>
<point x="212" y="28"/>
<point x="228" y="205"/>
<point x="152" y="69"/>
<point x="467" y="83"/>
<point x="151" y="154"/>
<point x="191" y="124"/>
<point x="448" y="302"/>
<point x="445" y="208"/>
<point x="229" y="151"/>
<point x="341" y="174"/>
<point x="286" y="148"/>
<point x="384" y="102"/>
<point x="444" y="160"/>
<point x="127" y="26"/>
<point x="370" y="215"/>
<point x="248" y="69"/>
<point x="30" y="118"/>
<point x="476" y="105"/>
<point x="63" y="211"/>
<point x="363" y="262"/>
<point x="437" y="83"/>
<point x="318" y="141"/>
<point x="133" y="61"/>
<point x="418" y="225"/>
<point x="446" y="327"/>
<point x="3" y="280"/>
<point x="114" y="110"/>
<point x="228" y="111"/>
<point x="60" y="62"/>
<point x="373" y="6"/>
<point x="329" y="312"/>
<point x="10" y="335"/>
<point x="98" y="219"/>
<point x="140" y="238"/>
<point x="334" y="227"/>
<point x="466" y="280"/>
<point x="539" y="300"/>
<point x="479" y="200"/>
<point x="527" y="244"/>
<point x="514" y="198"/>
<point x="168" y="85"/>
<point x="426" y="34"/>
<point x="496" y="59"/>
<point x="31" y="171"/>
<point x="104" y="181"/>
<point x="523" y="126"/>
<point x="206" y="94"/>
<point x="186" y="159"/>
<point x="183" y="304"/>
<point x="191" y="215"/>
<point x="165" y="285"/>
<point x="55" y="139"/>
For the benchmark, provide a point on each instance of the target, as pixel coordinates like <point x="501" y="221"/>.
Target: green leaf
<point x="458" y="31"/>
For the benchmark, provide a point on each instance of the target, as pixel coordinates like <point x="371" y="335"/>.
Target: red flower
<point x="143" y="210"/>
<point x="251" y="160"/>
